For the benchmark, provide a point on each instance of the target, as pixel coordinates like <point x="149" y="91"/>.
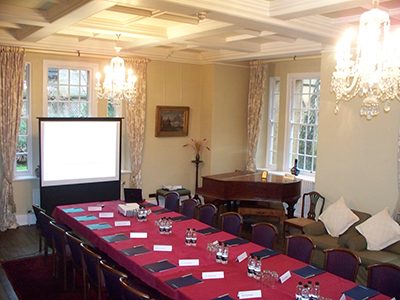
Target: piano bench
<point x="261" y="211"/>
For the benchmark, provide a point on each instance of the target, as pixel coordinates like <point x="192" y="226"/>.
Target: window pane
<point x="21" y="163"/>
<point x="52" y="76"/>
<point x="23" y="127"/>
<point x="74" y="77"/>
<point x="64" y="78"/>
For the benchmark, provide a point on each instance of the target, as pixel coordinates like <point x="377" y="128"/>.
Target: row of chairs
<point x="95" y="269"/>
<point x="384" y="278"/>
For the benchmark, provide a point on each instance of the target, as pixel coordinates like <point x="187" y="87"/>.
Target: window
<point x="304" y="98"/>
<point x="23" y="160"/>
<point x="68" y="89"/>
<point x="273" y="122"/>
<point x="113" y="110"/>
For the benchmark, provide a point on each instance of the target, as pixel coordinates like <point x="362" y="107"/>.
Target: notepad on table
<point x="98" y="226"/>
<point x="180" y="218"/>
<point x="135" y="250"/>
<point x="85" y="218"/>
<point x="159" y="266"/>
<point x="236" y="241"/>
<point x="361" y="293"/>
<point x="264" y="253"/>
<point x="160" y="211"/>
<point x="308" y="271"/>
<point x="183" y="281"/>
<point x="223" y="297"/>
<point x="73" y="210"/>
<point x="115" y="238"/>
<point x="208" y="230"/>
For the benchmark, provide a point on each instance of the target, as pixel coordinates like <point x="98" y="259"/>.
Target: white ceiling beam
<point x="61" y="16"/>
<point x="291" y="9"/>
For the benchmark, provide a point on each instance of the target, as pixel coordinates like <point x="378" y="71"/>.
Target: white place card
<point x="188" y="262"/>
<point x="165" y="248"/>
<point x="250" y="294"/>
<point x="95" y="208"/>
<point x="241" y="257"/>
<point x="212" y="275"/>
<point x="285" y="276"/>
<point x="343" y="297"/>
<point x="106" y="215"/>
<point x="138" y="235"/>
<point x="122" y="223"/>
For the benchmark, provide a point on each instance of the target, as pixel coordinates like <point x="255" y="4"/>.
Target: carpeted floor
<point x="32" y="278"/>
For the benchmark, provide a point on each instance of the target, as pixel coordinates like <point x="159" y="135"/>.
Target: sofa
<point x="353" y="240"/>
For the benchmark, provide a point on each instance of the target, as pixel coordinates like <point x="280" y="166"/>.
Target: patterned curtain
<point x="397" y="210"/>
<point x="256" y="92"/>
<point x="136" y="118"/>
<point x="11" y="87"/>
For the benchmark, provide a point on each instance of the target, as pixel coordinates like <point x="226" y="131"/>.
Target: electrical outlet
<point x="29" y="211"/>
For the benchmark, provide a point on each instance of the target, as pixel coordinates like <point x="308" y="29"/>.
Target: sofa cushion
<point x="325" y="241"/>
<point x="352" y="232"/>
<point x="377" y="257"/>
<point x="316" y="228"/>
<point x="380" y="231"/>
<point x="337" y="218"/>
<point x="356" y="243"/>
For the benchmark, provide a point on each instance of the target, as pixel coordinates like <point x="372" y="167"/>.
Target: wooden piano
<point x="249" y="186"/>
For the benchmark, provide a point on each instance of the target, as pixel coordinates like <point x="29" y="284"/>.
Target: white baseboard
<point x="27" y="219"/>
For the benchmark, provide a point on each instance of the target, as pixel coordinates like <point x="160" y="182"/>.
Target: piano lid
<point x="247" y="176"/>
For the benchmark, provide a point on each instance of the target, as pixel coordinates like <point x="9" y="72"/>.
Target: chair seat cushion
<point x="298" y="222"/>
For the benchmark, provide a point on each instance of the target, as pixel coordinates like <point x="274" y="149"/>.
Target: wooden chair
<point x="264" y="234"/>
<point x="342" y="262"/>
<point x="188" y="207"/>
<point x="74" y="243"/>
<point x="312" y="199"/>
<point x="62" y="253"/>
<point x="206" y="213"/>
<point x="385" y="278"/>
<point x="232" y="222"/>
<point x="91" y="271"/>
<point x="132" y="293"/>
<point x="172" y="199"/>
<point x="111" y="281"/>
<point x="44" y="224"/>
<point x="37" y="210"/>
<point x="299" y="247"/>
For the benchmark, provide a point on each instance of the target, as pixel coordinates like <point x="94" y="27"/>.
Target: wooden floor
<point x="14" y="244"/>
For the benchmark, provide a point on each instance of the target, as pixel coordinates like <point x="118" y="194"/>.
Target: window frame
<point x="291" y="78"/>
<point x="29" y="171"/>
<point x="78" y="65"/>
<point x="271" y="103"/>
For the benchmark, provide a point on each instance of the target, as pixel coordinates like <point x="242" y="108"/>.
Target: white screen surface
<point x="79" y="151"/>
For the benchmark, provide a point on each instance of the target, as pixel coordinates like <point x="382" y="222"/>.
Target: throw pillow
<point x="380" y="230"/>
<point x="337" y="218"/>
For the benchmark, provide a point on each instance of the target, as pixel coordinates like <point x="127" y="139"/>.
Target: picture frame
<point x="172" y="121"/>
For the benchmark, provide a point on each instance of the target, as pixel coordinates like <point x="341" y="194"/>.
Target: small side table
<point x="181" y="192"/>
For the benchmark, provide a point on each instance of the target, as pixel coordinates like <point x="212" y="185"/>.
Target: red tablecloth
<point x="235" y="275"/>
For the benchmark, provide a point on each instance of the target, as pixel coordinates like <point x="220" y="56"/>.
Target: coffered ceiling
<point x="197" y="31"/>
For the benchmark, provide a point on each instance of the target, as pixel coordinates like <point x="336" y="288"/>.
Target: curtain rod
<point x="293" y="58"/>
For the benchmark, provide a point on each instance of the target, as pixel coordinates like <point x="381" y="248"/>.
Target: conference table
<point x="235" y="279"/>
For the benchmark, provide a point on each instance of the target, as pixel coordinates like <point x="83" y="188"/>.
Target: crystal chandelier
<point x="371" y="69"/>
<point x="118" y="85"/>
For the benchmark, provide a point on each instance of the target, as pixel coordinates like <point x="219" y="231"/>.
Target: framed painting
<point x="172" y="121"/>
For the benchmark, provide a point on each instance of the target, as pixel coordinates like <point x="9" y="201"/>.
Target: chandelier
<point x="370" y="66"/>
<point x="118" y="86"/>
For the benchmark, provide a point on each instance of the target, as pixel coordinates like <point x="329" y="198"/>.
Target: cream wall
<point x="357" y="158"/>
<point x="217" y="97"/>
